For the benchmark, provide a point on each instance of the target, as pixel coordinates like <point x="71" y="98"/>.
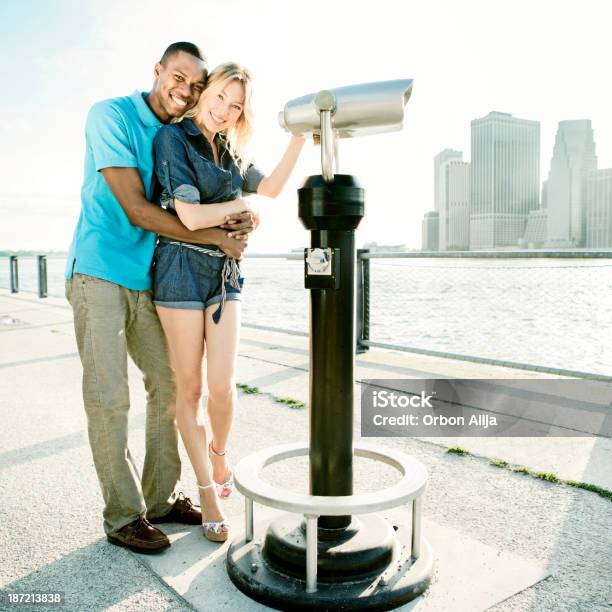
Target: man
<point x="108" y="286"/>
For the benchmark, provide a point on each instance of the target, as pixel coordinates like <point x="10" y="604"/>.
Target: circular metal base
<point x="363" y="549"/>
<point x="403" y="580"/>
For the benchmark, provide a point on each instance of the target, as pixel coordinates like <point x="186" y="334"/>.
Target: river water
<point x="548" y="312"/>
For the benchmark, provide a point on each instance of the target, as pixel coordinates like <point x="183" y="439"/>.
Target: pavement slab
<point x="509" y="530"/>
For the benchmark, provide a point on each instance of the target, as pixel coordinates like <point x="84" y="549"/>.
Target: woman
<point x="196" y="290"/>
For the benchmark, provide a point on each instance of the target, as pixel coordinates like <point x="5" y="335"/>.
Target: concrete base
<point x="469" y="576"/>
<point x="364" y="549"/>
<point x="403" y="580"/>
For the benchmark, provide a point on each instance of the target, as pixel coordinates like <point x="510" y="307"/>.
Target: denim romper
<point x="188" y="275"/>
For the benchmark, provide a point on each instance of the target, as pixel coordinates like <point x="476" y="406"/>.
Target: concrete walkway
<point x="495" y="534"/>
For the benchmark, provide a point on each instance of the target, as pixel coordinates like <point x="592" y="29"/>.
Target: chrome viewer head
<point x="346" y="112"/>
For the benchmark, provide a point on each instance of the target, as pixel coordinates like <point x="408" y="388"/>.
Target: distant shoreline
<point x="32" y="253"/>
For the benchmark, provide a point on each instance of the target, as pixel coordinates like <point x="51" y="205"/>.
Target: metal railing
<point x="364" y="298"/>
<point x="41" y="276"/>
<point x="14" y="266"/>
<point x="363" y="340"/>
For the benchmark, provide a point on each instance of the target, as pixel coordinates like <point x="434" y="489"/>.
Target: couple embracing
<point x="153" y="271"/>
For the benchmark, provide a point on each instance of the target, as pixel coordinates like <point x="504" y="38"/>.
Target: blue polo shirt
<point x="119" y="133"/>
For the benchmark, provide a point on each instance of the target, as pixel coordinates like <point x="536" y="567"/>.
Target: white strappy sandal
<point x="228" y="485"/>
<point x="215" y="531"/>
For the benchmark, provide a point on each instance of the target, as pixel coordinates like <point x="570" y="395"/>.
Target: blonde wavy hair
<point x="239" y="136"/>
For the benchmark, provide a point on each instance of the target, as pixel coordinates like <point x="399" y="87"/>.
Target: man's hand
<point x="232" y="247"/>
<point x="241" y="224"/>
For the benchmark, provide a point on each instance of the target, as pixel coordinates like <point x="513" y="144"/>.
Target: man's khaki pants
<point x="111" y="321"/>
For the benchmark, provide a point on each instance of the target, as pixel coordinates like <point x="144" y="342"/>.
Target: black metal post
<point x="42" y="276"/>
<point x="331" y="378"/>
<point x="332" y="211"/>
<point x="14" y="266"/>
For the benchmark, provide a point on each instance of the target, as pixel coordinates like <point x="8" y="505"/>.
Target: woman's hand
<point x="241" y="205"/>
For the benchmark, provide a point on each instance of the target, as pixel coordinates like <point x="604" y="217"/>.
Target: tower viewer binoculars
<point x="346" y="112"/>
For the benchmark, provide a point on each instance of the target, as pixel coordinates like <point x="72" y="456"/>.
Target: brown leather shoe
<point x="140" y="536"/>
<point x="183" y="511"/>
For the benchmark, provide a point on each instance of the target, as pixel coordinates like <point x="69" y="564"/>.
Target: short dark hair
<point x="187" y="47"/>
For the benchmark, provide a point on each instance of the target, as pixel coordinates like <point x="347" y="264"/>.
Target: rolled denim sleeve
<point x="252" y="177"/>
<point x="172" y="166"/>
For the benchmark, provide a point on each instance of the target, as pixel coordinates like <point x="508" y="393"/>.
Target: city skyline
<point x="508" y="205"/>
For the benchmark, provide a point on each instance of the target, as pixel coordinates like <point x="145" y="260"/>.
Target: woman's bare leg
<point x="222" y="351"/>
<point x="184" y="331"/>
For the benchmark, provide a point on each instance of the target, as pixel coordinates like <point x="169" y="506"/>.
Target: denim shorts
<point x="185" y="278"/>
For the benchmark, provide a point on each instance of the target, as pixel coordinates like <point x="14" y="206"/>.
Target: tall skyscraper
<point x="599" y="209"/>
<point x="429" y="228"/>
<point x="505" y="179"/>
<point x="454" y="205"/>
<point x="439" y="160"/>
<point x="573" y="157"/>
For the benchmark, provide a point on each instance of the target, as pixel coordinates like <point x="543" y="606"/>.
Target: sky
<point x="543" y="60"/>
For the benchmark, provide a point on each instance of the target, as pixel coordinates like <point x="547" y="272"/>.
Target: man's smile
<point x="178" y="101"/>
